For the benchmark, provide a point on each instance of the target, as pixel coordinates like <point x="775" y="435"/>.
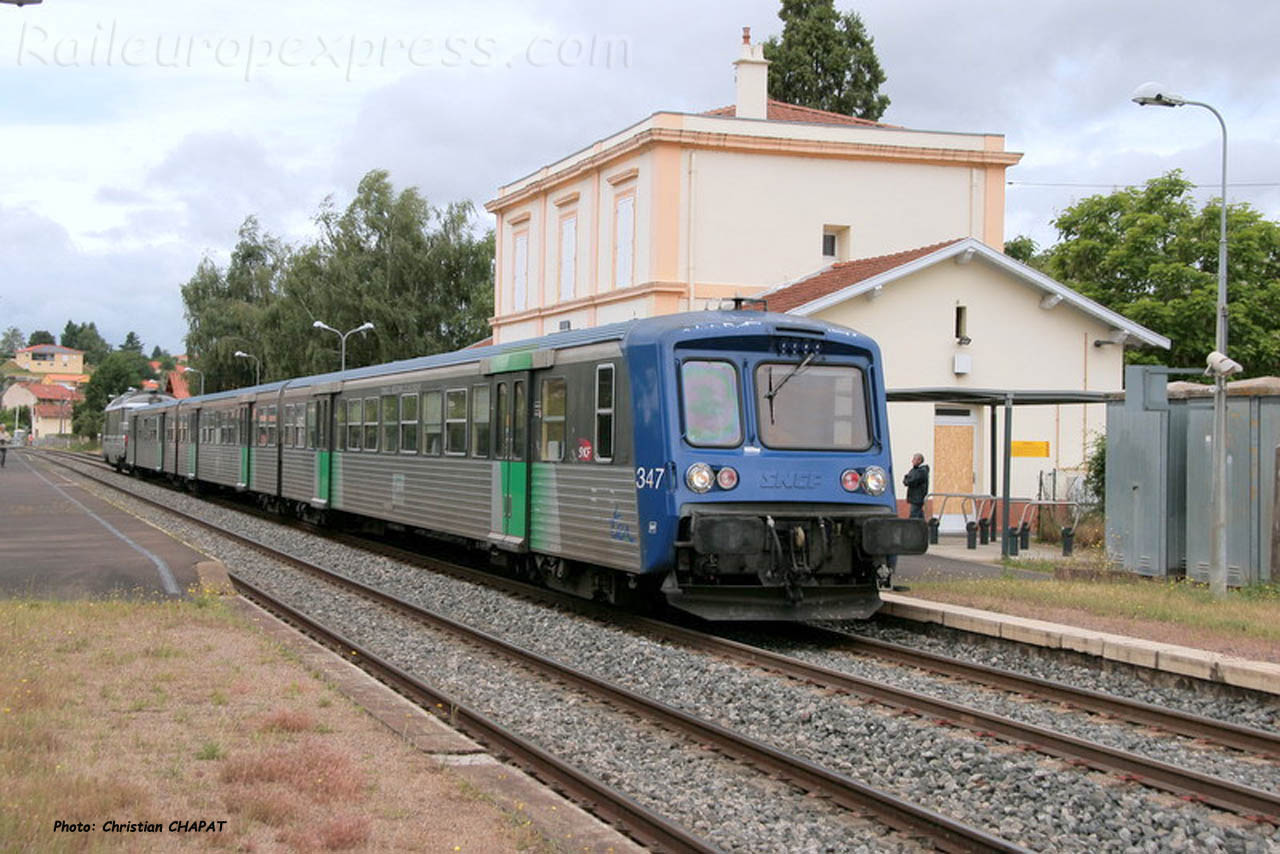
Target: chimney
<point x="753" y="80"/>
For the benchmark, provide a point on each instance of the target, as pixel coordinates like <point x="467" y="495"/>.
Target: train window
<point x="455" y="421"/>
<point x="432" y="423"/>
<point x="408" y="423"/>
<point x="371" y="424"/>
<point x="311" y="424"/>
<point x="354" y="431"/>
<point x="342" y="426"/>
<point x="390" y="423"/>
<point x="288" y="421"/>
<point x="519" y="417"/>
<point x="604" y="413"/>
<point x="553" y="419"/>
<point x="480" y="421"/>
<point x="300" y="426"/>
<point x="822" y="407"/>
<point x="712" y="414"/>
<point x="272" y="422"/>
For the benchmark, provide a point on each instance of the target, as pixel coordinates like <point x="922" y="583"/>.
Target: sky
<point x="137" y="136"/>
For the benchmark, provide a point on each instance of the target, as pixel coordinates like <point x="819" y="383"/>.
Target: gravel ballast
<point x="1034" y="801"/>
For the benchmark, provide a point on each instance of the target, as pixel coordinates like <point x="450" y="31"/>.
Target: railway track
<point x="940" y="831"/>
<point x="1185" y="783"/>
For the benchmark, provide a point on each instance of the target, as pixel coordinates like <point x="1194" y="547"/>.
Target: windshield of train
<point x="812" y="407"/>
<point x="712" y="416"/>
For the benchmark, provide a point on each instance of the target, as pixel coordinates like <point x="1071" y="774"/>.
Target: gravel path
<point x="1034" y="801"/>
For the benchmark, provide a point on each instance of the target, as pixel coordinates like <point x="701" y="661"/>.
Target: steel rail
<point x="1183" y="723"/>
<point x="646" y="826"/>
<point x="1188" y="784"/>
<point x="945" y="833"/>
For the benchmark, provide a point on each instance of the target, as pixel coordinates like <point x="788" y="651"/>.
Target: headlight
<point x="850" y="480"/>
<point x="874" y="480"/>
<point x="699" y="477"/>
<point x="727" y="477"/>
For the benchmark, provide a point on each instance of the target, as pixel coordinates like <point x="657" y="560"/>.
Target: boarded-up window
<point x="624" y="221"/>
<point x="520" y="272"/>
<point x="568" y="256"/>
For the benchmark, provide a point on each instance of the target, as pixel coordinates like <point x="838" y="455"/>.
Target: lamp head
<point x="242" y="354"/>
<point x="366" y="326"/>
<point x="1221" y="366"/>
<point x="1154" y="94"/>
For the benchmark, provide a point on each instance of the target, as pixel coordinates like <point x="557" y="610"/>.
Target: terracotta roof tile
<point x="842" y="275"/>
<point x="49" y="391"/>
<point x="780" y="111"/>
<point x="53" y="410"/>
<point x="49" y="348"/>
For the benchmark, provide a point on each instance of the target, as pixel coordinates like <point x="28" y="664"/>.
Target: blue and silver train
<point x="732" y="463"/>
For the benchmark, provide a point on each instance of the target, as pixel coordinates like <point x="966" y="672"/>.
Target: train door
<point x="193" y="443"/>
<point x="248" y="436"/>
<point x="163" y="424"/>
<point x="319" y="437"/>
<point x="510" y="515"/>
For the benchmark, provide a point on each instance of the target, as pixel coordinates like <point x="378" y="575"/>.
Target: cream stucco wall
<point x="760" y="218"/>
<point x="1015" y="344"/>
<point x="57" y="363"/>
<point x="727" y="206"/>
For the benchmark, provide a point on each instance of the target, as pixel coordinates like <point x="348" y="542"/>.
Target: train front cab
<point x="782" y="496"/>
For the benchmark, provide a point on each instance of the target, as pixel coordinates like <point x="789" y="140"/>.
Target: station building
<point x="895" y="232"/>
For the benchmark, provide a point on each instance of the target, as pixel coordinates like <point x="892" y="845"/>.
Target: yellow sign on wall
<point x="1029" y="449"/>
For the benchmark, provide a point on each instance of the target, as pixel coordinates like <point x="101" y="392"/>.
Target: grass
<point x="162" y="710"/>
<point x="1245" y="622"/>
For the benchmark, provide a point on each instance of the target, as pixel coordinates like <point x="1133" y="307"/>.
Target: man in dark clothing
<point x="917" y="483"/>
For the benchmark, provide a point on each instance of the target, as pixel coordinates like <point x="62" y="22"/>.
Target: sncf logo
<point x="790" y="480"/>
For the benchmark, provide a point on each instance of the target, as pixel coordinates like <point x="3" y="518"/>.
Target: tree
<point x="11" y="342"/>
<point x="121" y="370"/>
<point x="1021" y="248"/>
<point x="41" y="336"/>
<point x="421" y="274"/>
<point x="86" y="338"/>
<point x="825" y="60"/>
<point x="225" y="310"/>
<point x="1149" y="254"/>
<point x="132" y="343"/>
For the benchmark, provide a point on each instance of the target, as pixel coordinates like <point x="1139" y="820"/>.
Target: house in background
<point x="50" y="405"/>
<point x="893" y="231"/>
<point x="51" y="359"/>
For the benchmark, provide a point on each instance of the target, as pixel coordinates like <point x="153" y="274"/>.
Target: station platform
<point x="58" y="541"/>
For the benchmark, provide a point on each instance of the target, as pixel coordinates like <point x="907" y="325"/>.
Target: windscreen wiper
<point x="773" y="390"/>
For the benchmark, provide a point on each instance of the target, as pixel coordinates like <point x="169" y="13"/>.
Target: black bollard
<point x="984" y="536"/>
<point x="933" y="530"/>
<point x="1012" y="538"/>
<point x="971" y="535"/>
<point x="1024" y="534"/>
<point x="1068" y="540"/>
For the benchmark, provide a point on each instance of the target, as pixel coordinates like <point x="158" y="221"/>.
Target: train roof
<point x="667" y="327"/>
<point x="136" y="399"/>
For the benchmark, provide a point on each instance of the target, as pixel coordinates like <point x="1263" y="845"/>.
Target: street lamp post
<point x="257" y="365"/>
<point x="1155" y="95"/>
<point x="364" y="327"/>
<point x="190" y="370"/>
